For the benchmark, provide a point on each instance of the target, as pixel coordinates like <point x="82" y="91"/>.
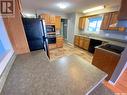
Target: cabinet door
<point x="82" y="23"/>
<point x="86" y="43"/>
<point x="58" y="22"/>
<point x="76" y="40"/>
<point x="106" y="61"/>
<point x="123" y="11"/>
<point x="52" y="19"/>
<point x="114" y="18"/>
<point x="106" y="21"/>
<point x="59" y="41"/>
<point x="81" y="42"/>
<point x="46" y="17"/>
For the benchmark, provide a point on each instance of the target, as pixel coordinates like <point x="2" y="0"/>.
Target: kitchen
<point x="98" y="34"/>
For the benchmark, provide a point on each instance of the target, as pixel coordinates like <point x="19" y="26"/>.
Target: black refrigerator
<point x="35" y="30"/>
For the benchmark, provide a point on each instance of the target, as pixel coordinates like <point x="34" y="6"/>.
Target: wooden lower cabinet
<point x="82" y="42"/>
<point x="59" y="43"/>
<point x="51" y="46"/>
<point x="76" y="40"/>
<point x="105" y="61"/>
<point x="86" y="43"/>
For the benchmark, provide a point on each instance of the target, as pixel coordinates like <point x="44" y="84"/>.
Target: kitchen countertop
<point x="34" y="74"/>
<point x="109" y="40"/>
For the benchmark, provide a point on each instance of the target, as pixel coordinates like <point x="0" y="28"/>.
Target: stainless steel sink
<point x="113" y="48"/>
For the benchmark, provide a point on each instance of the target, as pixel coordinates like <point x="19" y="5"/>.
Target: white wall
<point x="73" y="21"/>
<point x="71" y="27"/>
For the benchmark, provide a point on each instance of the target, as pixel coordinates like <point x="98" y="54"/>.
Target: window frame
<point x="87" y="24"/>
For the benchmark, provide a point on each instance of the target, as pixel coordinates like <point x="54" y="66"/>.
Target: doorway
<point x="64" y="28"/>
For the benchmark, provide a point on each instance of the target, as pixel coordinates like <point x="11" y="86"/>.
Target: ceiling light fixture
<point x="94" y="9"/>
<point x="63" y="5"/>
<point x="29" y="15"/>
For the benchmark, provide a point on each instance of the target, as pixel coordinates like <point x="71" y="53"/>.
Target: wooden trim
<point x="98" y="14"/>
<point x="20" y="6"/>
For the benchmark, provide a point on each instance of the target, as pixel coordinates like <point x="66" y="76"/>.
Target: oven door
<point x="52" y="39"/>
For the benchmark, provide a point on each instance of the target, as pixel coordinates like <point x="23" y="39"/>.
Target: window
<point x="94" y="24"/>
<point x="1" y="48"/>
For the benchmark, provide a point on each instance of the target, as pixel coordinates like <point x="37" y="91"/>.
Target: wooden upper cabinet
<point x="113" y="21"/>
<point x="51" y="19"/>
<point x="57" y="22"/>
<point x="123" y="10"/>
<point x="114" y="18"/>
<point x="106" y="21"/>
<point x="46" y="17"/>
<point x="82" y="23"/>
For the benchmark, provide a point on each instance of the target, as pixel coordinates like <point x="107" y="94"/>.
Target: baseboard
<point x="6" y="71"/>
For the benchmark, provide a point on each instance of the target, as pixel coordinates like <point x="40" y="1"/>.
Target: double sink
<point x="112" y="48"/>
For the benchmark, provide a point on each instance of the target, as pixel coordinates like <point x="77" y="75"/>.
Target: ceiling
<point x="74" y="5"/>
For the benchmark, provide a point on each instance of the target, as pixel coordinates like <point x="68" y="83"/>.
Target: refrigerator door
<point x="33" y="30"/>
<point x="45" y="38"/>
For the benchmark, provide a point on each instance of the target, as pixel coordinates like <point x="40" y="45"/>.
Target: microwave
<point x="50" y="28"/>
